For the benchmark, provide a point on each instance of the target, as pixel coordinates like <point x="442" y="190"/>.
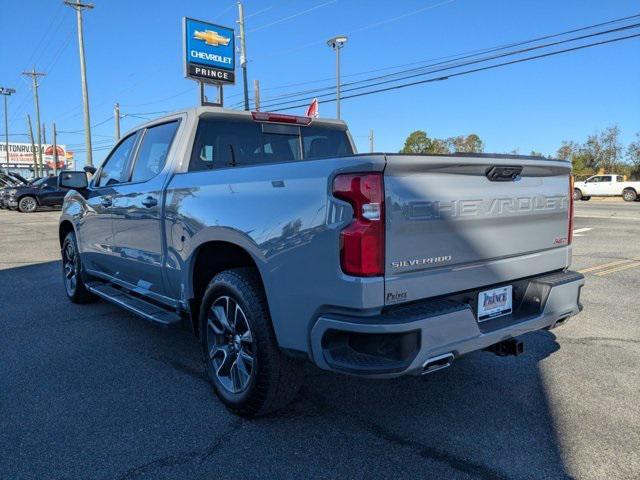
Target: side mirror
<point x="90" y="170"/>
<point x="75" y="180"/>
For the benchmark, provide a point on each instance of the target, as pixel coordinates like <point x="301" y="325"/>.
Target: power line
<point x="475" y="70"/>
<point x="284" y="19"/>
<point x="361" y="28"/>
<point x="450" y="67"/>
<point x="455" y="57"/>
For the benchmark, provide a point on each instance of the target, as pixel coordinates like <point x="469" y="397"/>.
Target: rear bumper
<point x="400" y="341"/>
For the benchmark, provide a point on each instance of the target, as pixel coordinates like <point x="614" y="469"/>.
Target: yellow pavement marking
<point x="609" y="265"/>
<point x="617" y="269"/>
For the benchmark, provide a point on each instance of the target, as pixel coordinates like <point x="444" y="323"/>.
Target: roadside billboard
<point x="209" y="52"/>
<point x="21" y="156"/>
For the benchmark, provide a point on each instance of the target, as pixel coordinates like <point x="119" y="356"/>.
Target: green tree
<point x="604" y="151"/>
<point x="536" y="154"/>
<point x="438" y="146"/>
<point x="466" y="144"/>
<point x="580" y="158"/>
<point x="417" y="142"/>
<point x="633" y="157"/>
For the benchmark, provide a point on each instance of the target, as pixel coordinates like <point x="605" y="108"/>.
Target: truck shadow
<point x="128" y="383"/>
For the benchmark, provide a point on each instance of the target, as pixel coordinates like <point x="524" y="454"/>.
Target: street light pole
<point x="6" y="92"/>
<point x="337" y="43"/>
<point x="116" y="117"/>
<point x="79" y="7"/>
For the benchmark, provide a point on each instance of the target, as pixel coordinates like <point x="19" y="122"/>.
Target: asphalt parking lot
<point x="93" y="392"/>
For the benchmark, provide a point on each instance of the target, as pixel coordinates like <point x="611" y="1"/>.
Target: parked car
<point x="7" y="182"/>
<point x="606" y="186"/>
<point x="276" y="243"/>
<point x="42" y="193"/>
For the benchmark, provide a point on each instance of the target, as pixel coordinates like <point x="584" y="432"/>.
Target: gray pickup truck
<point x="276" y="243"/>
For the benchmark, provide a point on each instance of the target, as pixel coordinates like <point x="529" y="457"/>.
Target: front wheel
<point x="585" y="199"/>
<point x="27" y="205"/>
<point x="248" y="371"/>
<point x="629" y="195"/>
<point x="577" y="194"/>
<point x="72" y="272"/>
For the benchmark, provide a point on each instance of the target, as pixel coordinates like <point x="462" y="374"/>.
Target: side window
<point x="605" y="179"/>
<point x="619" y="178"/>
<point x="220" y="144"/>
<point x="51" y="182"/>
<point x="594" y="180"/>
<point x="153" y="151"/>
<point x="112" y="171"/>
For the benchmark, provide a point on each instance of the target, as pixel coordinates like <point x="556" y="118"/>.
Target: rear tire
<point x="27" y="204"/>
<point x="577" y="194"/>
<point x="248" y="371"/>
<point x="585" y="199"/>
<point x="72" y="274"/>
<point x="629" y="195"/>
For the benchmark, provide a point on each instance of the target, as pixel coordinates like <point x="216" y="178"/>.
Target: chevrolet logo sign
<point x="211" y="38"/>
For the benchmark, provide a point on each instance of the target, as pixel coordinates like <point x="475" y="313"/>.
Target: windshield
<point x="38" y="182"/>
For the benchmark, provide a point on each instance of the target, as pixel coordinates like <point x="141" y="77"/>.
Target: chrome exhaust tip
<point x="434" y="364"/>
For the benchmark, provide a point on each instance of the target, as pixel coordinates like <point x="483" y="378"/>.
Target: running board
<point x="135" y="305"/>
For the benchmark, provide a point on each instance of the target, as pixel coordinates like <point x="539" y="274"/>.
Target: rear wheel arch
<point x="208" y="260"/>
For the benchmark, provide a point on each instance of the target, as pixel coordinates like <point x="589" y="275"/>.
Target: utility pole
<point x="243" y="54"/>
<point x="55" y="149"/>
<point x="44" y="133"/>
<point x="256" y="94"/>
<point x="116" y="117"/>
<point x="6" y="92"/>
<point x="336" y="43"/>
<point x="33" y="147"/>
<point x="79" y="7"/>
<point x="371" y="141"/>
<point x="34" y="77"/>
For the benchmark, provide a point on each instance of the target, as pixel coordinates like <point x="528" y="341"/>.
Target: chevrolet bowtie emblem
<point x="211" y="38"/>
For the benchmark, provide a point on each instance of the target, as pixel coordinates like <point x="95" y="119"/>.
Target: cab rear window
<point x="228" y="143"/>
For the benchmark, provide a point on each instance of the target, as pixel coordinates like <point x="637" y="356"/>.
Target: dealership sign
<point x="21" y="155"/>
<point x="209" y="52"/>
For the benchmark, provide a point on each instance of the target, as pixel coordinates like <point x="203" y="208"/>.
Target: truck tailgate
<point x="449" y="227"/>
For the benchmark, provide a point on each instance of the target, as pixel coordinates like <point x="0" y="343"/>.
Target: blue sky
<point x="134" y="57"/>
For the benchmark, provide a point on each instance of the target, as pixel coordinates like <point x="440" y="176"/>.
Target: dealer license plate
<point x="495" y="303"/>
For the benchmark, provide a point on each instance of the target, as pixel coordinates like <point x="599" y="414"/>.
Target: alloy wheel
<point x="230" y="345"/>
<point x="28" y="204"/>
<point x="70" y="268"/>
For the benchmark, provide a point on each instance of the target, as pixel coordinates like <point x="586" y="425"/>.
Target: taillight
<point x="570" y="233"/>
<point x="362" y="241"/>
<point x="280" y="118"/>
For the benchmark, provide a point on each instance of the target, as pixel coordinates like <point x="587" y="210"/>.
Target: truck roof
<point x="229" y="113"/>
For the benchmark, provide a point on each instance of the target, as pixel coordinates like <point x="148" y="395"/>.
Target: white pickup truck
<point x="606" y="186"/>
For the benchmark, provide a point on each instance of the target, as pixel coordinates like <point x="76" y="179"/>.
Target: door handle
<point x="150" y="202"/>
<point x="106" y="202"/>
